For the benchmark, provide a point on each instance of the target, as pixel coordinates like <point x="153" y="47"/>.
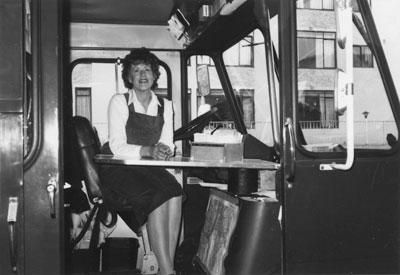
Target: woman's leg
<point x="163" y="228"/>
<point x="157" y="227"/>
<point x="175" y="216"/>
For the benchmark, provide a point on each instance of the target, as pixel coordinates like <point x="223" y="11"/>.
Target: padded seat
<point x="88" y="145"/>
<point x="85" y="145"/>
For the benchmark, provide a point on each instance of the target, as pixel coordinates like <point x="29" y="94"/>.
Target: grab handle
<point x="12" y="220"/>
<point x="51" y="189"/>
<point x="289" y="173"/>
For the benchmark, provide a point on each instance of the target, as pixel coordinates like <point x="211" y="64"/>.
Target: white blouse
<point x="118" y="113"/>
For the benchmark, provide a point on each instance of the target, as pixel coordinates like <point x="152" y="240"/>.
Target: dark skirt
<point x="143" y="188"/>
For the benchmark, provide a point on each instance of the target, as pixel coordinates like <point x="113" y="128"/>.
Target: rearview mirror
<point x="203" y="80"/>
<point x="203" y="88"/>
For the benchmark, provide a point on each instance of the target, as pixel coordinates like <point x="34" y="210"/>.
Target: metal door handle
<point x="51" y="188"/>
<point x="290" y="174"/>
<point x="12" y="220"/>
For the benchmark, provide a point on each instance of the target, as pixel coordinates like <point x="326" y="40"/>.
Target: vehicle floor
<point x="132" y="272"/>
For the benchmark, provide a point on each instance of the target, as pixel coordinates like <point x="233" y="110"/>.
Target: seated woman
<point x="141" y="124"/>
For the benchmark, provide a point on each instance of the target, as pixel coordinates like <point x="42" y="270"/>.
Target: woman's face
<point x="142" y="77"/>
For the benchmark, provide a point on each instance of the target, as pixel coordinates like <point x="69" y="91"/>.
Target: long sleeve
<point x="118" y="114"/>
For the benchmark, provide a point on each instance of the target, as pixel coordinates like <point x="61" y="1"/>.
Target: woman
<point x="141" y="124"/>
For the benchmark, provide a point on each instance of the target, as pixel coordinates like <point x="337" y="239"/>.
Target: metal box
<point x="219" y="152"/>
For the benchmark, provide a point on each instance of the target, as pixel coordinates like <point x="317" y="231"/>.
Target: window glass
<point x="83" y="102"/>
<point x="93" y="85"/>
<point x="316" y="109"/>
<point x="241" y="53"/>
<point x="362" y="56"/>
<point x="315" y="4"/>
<point x="199" y="102"/>
<point x="316" y="49"/>
<point x="319" y="60"/>
<point x="251" y="87"/>
<point x="28" y="94"/>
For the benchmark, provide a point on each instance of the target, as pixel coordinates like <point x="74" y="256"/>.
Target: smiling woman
<point x="141" y="125"/>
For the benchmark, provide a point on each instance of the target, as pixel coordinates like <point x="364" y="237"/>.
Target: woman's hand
<point x="158" y="151"/>
<point x="162" y="151"/>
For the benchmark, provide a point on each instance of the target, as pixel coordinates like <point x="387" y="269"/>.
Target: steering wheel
<point x="196" y="125"/>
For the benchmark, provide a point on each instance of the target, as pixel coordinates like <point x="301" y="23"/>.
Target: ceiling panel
<point x="155" y="12"/>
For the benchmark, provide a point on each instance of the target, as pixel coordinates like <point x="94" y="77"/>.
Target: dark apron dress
<point x="144" y="188"/>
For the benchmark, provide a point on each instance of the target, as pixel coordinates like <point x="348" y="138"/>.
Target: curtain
<point x="314" y="4"/>
<point x="327" y="4"/>
<point x="367" y="56"/>
<point x="319" y="53"/>
<point x="329" y="53"/>
<point x="327" y="108"/>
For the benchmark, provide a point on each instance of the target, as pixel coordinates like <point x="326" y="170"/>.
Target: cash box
<point x="218" y="152"/>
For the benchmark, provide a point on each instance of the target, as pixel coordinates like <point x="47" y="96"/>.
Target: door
<point x="43" y="176"/>
<point x="30" y="172"/>
<point x="11" y="144"/>
<point x="337" y="219"/>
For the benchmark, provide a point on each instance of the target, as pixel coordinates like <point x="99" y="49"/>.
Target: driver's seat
<point x="87" y="145"/>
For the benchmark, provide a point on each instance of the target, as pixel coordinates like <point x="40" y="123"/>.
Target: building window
<point x="316" y="109"/>
<point x="83" y="102"/>
<point x="355" y="5"/>
<point x="316" y="50"/>
<point x="315" y="4"/>
<point x="362" y="57"/>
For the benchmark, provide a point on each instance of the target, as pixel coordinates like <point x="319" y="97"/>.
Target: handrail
<point x="346" y="42"/>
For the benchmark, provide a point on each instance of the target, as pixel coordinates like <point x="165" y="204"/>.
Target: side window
<point x="93" y="85"/>
<point x="319" y="61"/>
<point x="251" y="86"/>
<point x="28" y="94"/>
<point x="246" y="67"/>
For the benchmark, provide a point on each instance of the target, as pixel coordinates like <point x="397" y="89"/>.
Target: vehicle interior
<point x="221" y="69"/>
<point x="197" y="45"/>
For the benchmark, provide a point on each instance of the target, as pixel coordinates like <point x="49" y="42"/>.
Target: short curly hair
<point x="137" y="56"/>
